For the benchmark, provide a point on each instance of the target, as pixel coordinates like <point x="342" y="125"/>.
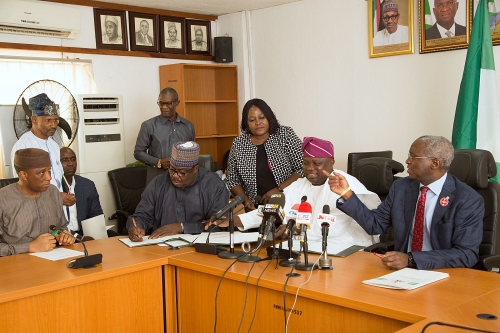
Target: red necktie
<point x="418" y="227"/>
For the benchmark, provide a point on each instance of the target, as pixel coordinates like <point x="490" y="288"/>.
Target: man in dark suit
<point x="437" y="220"/>
<point x="445" y="26"/>
<point x="87" y="199"/>
<point x="141" y="36"/>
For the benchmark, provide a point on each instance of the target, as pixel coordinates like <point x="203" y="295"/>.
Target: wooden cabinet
<point x="208" y="97"/>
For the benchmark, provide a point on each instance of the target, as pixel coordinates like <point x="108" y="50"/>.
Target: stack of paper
<point x="407" y="279"/>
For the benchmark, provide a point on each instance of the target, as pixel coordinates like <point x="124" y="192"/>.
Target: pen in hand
<point x="137" y="228"/>
<point x="378" y="254"/>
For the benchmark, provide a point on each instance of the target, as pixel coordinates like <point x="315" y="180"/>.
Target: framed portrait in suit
<point x="110" y="29"/>
<point x="444" y="24"/>
<point x="390" y="27"/>
<point x="494" y="14"/>
<point x="199" y="37"/>
<point x="143" y="30"/>
<point x="173" y="34"/>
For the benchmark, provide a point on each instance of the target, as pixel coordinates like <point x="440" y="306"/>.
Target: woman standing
<point x="265" y="158"/>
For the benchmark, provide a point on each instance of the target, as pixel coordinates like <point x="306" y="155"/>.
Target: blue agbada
<point x="191" y="205"/>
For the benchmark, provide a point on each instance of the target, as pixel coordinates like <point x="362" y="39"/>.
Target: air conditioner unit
<point x="39" y="18"/>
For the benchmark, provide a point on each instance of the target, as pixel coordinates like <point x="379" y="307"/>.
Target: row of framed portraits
<point x="151" y="33"/>
<point x="391" y="33"/>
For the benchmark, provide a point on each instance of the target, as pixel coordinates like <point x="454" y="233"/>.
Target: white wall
<point x="310" y="63"/>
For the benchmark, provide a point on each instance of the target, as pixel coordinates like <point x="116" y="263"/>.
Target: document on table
<point x="333" y="249"/>
<point x="181" y="240"/>
<point x="58" y="254"/>
<point x="406" y="279"/>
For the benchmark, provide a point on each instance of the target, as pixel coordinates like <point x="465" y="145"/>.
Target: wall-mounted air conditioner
<point x="39" y="18"/>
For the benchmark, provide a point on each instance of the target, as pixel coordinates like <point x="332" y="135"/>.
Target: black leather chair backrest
<point x="474" y="167"/>
<point x="377" y="174"/>
<point x="127" y="185"/>
<point x="7" y="181"/>
<point x="207" y="162"/>
<point x="353" y="158"/>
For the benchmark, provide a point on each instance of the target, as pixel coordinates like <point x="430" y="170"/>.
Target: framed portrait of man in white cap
<point x="199" y="38"/>
<point x="110" y="29"/>
<point x="173" y="34"/>
<point x="143" y="30"/>
<point x="390" y="27"/>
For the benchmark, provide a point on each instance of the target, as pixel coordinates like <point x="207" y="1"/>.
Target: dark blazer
<point x="433" y="32"/>
<point x="87" y="199"/>
<point x="456" y="229"/>
<point x="140" y="40"/>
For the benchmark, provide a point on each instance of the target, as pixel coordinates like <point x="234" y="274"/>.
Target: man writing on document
<point x="318" y="162"/>
<point x="437" y="219"/>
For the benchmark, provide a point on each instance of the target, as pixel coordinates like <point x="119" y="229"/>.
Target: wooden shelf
<point x="208" y="97"/>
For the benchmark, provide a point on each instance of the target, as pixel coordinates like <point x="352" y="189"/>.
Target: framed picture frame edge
<point x="163" y="34"/>
<point x="193" y="23"/>
<point x="134" y="46"/>
<point x="99" y="34"/>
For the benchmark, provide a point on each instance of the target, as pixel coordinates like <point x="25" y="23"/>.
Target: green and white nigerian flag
<point x="427" y="15"/>
<point x="477" y="116"/>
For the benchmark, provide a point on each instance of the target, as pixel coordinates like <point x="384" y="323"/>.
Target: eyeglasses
<point x="448" y="4"/>
<point x="179" y="172"/>
<point x="413" y="157"/>
<point x="390" y="18"/>
<point x="169" y="104"/>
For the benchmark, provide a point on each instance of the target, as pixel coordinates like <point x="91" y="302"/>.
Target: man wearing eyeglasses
<point x="445" y="26"/>
<point x="393" y="33"/>
<point x="157" y="135"/>
<point x="181" y="199"/>
<point x="437" y="219"/>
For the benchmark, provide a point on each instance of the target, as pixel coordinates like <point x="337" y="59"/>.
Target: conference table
<point x="156" y="289"/>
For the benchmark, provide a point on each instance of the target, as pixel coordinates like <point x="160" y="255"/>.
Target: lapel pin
<point x="444" y="201"/>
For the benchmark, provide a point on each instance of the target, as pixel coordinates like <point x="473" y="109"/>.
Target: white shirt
<point x="345" y="230"/>
<point x="431" y="199"/>
<point x="30" y="140"/>
<point x="383" y="37"/>
<point x="71" y="210"/>
<point x="443" y="31"/>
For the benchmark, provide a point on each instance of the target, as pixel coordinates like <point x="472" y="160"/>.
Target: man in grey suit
<point x="445" y="26"/>
<point x="142" y="37"/>
<point x="442" y="226"/>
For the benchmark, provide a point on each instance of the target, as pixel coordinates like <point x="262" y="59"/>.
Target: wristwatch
<point x="411" y="262"/>
<point x="279" y="189"/>
<point x="158" y="164"/>
<point x="182" y="227"/>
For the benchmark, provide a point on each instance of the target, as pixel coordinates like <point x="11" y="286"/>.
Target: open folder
<point x="406" y="279"/>
<point x="181" y="240"/>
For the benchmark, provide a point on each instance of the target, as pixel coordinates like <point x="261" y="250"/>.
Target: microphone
<point x="304" y="220"/>
<point x="324" y="261"/>
<point x="83" y="262"/>
<point x="235" y="202"/>
<point x="303" y="199"/>
<point x="273" y="213"/>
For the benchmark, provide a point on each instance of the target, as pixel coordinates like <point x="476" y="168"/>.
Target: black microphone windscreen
<point x="303" y="199"/>
<point x="257" y="198"/>
<point x="326" y="209"/>
<point x="238" y="199"/>
<point x="278" y="199"/>
<point x="52" y="227"/>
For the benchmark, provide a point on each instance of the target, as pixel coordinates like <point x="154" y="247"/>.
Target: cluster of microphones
<point x="298" y="218"/>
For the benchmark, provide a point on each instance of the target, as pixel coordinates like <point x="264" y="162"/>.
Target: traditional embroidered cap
<point x="113" y="19"/>
<point x="41" y="105"/>
<point x="314" y="147"/>
<point x="390" y="6"/>
<point x="185" y="154"/>
<point x="198" y="28"/>
<point x="171" y="25"/>
<point x="31" y="158"/>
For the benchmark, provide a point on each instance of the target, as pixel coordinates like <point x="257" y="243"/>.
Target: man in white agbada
<point x="393" y="33"/>
<point x="319" y="156"/>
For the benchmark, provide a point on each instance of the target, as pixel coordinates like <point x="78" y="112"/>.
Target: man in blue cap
<point x="44" y="119"/>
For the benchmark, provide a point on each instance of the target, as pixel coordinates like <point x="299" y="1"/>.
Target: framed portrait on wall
<point x="143" y="32"/>
<point x="173" y="34"/>
<point x="444" y="24"/>
<point x="390" y="27"/>
<point x="494" y="14"/>
<point x="110" y="29"/>
<point x="199" y="38"/>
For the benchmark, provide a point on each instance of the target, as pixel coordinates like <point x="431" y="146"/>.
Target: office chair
<point x="353" y="158"/>
<point x="127" y="185"/>
<point x="7" y="181"/>
<point x="207" y="162"/>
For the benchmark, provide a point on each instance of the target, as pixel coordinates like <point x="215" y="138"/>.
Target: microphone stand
<point x="249" y="257"/>
<point x="324" y="261"/>
<point x="290" y="261"/>
<point x="306" y="265"/>
<point x="231" y="254"/>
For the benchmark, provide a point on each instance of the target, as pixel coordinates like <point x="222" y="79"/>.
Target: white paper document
<point x="181" y="240"/>
<point x="406" y="279"/>
<point x="58" y="254"/>
<point x="95" y="227"/>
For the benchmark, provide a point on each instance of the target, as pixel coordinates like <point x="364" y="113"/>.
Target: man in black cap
<point x="45" y="120"/>
<point x="180" y="199"/>
<point x="30" y="206"/>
